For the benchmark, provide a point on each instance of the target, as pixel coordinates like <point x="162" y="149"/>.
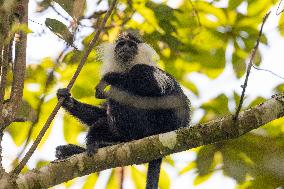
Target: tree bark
<point x="153" y="147"/>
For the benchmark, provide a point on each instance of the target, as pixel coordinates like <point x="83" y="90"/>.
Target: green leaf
<point x="189" y="167"/>
<point x="234" y="166"/>
<point x="59" y="29"/>
<point x="90" y="181"/>
<point x="215" y="108"/>
<point x="19" y="131"/>
<point x="239" y="65"/>
<point x="67" y="5"/>
<point x="138" y="177"/>
<point x="259" y="7"/>
<point x="257" y="58"/>
<point x="113" y="181"/>
<point x="21" y="27"/>
<point x="191" y="86"/>
<point x="199" y="179"/>
<point x="233" y="4"/>
<point x="257" y="101"/>
<point x="26" y="111"/>
<point x="71" y="129"/>
<point x="279" y="88"/>
<point x="204" y="160"/>
<point x="237" y="98"/>
<point x="41" y="163"/>
<point x="164" y="181"/>
<point x="281" y="24"/>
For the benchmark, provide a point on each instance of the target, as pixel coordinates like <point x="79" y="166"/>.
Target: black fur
<point x="153" y="174"/>
<point x="117" y="122"/>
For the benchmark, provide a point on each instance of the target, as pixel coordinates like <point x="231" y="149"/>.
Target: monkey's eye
<point x="132" y="44"/>
<point x="120" y="44"/>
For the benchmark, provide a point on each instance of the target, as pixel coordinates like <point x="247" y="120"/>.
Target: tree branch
<point x="19" y="65"/>
<point x="21" y="165"/>
<point x="153" y="147"/>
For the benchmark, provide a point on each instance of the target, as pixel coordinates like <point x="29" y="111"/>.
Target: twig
<point x="249" y="68"/>
<point x="41" y="101"/>
<point x="195" y="12"/>
<point x="21" y="165"/>
<point x="96" y="14"/>
<point x="266" y="70"/>
<point x="278" y="13"/>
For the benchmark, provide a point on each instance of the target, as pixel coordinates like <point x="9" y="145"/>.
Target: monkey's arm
<point x="86" y="113"/>
<point x="114" y="79"/>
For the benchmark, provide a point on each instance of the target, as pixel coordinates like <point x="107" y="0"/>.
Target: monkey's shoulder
<point x="150" y="72"/>
<point x="149" y="80"/>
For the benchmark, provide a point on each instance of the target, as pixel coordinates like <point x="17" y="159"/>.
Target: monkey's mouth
<point x="125" y="54"/>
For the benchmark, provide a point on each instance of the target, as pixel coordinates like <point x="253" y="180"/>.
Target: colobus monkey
<point x="143" y="100"/>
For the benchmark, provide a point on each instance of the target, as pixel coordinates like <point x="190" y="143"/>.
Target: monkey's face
<point x="125" y="50"/>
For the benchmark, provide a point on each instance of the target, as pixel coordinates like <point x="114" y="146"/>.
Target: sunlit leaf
<point x="139" y="178"/>
<point x="90" y="181"/>
<point x="189" y="167"/>
<point x="113" y="181"/>
<point x="281" y="24"/>
<point x="19" y="131"/>
<point x="72" y="128"/>
<point x="201" y="179"/>
<point x="164" y="181"/>
<point x="279" y="88"/>
<point x="41" y="163"/>
<point x="215" y="107"/>
<point x="233" y="4"/>
<point x="191" y="86"/>
<point x="257" y="101"/>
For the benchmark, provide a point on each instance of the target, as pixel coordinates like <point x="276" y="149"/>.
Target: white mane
<point x="146" y="55"/>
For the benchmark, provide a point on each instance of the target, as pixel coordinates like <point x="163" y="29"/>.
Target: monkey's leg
<point x="65" y="151"/>
<point x="153" y="174"/>
<point x="86" y="113"/>
<point x="101" y="134"/>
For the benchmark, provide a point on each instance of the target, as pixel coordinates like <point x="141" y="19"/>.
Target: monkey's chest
<point x="134" y="123"/>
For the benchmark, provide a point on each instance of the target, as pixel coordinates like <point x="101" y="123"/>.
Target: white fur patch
<point x="146" y="55"/>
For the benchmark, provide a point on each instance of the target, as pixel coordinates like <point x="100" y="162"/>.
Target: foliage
<point x="192" y="38"/>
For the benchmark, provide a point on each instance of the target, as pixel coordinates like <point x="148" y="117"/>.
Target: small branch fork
<point x="21" y="165"/>
<point x="235" y="117"/>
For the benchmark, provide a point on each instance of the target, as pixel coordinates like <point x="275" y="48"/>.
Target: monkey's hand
<point x="100" y="90"/>
<point x="63" y="93"/>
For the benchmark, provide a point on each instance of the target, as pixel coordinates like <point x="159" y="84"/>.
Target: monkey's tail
<point x="153" y="174"/>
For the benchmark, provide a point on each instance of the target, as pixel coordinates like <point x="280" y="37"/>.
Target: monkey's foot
<point x="65" y="151"/>
<point x="92" y="148"/>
